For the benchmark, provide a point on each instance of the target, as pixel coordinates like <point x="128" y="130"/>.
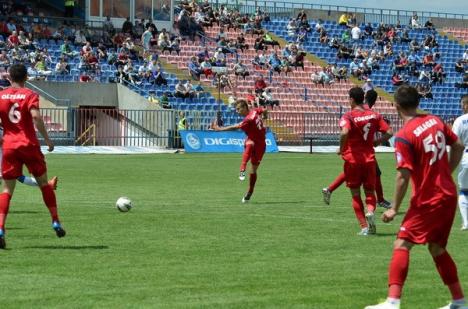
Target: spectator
<point x="429" y="24"/>
<point x="415" y="21"/>
<point x="62" y="67"/>
<point x="459" y="66"/>
<point x="260" y="84"/>
<point x="181" y="91"/>
<point x="108" y="26"/>
<point x="343" y="20"/>
<point x="207" y="68"/>
<point x="146" y="38"/>
<point x="241" y="70"/>
<point x="414" y="46"/>
<point x="398" y="80"/>
<point x="127" y="27"/>
<point x="266" y="98"/>
<point x="158" y="77"/>
<point x="354" y="68"/>
<point x="464" y="83"/>
<point x="367" y="85"/>
<point x="274" y="63"/>
<point x="152" y="98"/>
<point x="164" y="101"/>
<point x="194" y="68"/>
<point x="424" y="90"/>
<point x="356" y="33"/>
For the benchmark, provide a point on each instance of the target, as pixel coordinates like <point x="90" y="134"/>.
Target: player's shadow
<point x="24" y="212"/>
<point x="383" y="234"/>
<point x="279" y="202"/>
<point x="55" y="247"/>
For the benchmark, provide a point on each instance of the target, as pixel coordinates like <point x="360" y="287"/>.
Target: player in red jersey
<point x="370" y="98"/>
<point x="420" y="149"/>
<point x="255" y="145"/>
<point x="19" y="113"/>
<point x="358" y="128"/>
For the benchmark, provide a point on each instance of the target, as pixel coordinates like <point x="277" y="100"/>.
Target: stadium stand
<point x="300" y="94"/>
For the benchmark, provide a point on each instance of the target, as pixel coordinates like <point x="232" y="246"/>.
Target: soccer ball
<point x="124" y="204"/>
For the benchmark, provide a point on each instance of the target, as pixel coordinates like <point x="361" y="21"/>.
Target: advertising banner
<point x="226" y="141"/>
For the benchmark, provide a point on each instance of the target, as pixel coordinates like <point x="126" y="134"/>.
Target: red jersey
<point x="420" y="146"/>
<point x="362" y="125"/>
<point x="15" y="106"/>
<point x="252" y="125"/>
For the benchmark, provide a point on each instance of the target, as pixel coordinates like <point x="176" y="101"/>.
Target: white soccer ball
<point x="124" y="204"/>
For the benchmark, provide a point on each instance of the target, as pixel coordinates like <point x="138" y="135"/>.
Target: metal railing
<point x="286" y="9"/>
<point x="48" y="96"/>
<point x="110" y="127"/>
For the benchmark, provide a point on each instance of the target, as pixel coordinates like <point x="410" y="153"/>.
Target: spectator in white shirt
<point x="356" y="33"/>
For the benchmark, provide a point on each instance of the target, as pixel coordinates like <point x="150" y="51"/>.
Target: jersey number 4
<point x="436" y="145"/>
<point x="259" y="123"/>
<point x="14" y="114"/>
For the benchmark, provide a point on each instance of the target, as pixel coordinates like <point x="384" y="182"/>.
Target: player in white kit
<point x="460" y="128"/>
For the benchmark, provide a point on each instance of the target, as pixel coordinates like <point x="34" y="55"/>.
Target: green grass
<point x="190" y="243"/>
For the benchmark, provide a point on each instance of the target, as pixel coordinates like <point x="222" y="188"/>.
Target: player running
<point x="358" y="128"/>
<point x="19" y="113"/>
<point x="370" y="98"/>
<point x="460" y="128"/>
<point x="255" y="146"/>
<point x="420" y="149"/>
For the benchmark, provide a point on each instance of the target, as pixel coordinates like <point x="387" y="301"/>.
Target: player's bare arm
<point x="455" y="154"/>
<point x="343" y="139"/>
<point x="401" y="185"/>
<point x="39" y="123"/>
<point x="228" y="128"/>
<point x="265" y="114"/>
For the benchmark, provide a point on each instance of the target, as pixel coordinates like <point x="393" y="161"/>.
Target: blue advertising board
<point x="226" y="141"/>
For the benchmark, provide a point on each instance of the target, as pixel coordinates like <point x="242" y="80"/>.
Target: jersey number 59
<point x="435" y="145"/>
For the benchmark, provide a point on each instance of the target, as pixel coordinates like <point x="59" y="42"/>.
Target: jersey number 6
<point x="14" y="114"/>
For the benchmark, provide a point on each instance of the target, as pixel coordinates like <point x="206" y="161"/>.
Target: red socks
<point x="337" y="182"/>
<point x="359" y="211"/>
<point x="48" y="195"/>
<point x="379" y="189"/>
<point x="4" y="206"/>
<point x="246" y="156"/>
<point x="252" y="181"/>
<point x="448" y="272"/>
<point x="370" y="202"/>
<point x="398" y="270"/>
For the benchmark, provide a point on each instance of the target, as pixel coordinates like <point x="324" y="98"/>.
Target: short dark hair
<point x="18" y="73"/>
<point x="371" y="97"/>
<point x="407" y="97"/>
<point x="464" y="99"/>
<point x="357" y="94"/>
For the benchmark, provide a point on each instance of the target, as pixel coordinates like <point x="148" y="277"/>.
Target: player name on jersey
<point x="426" y="125"/>
<point x="9" y="96"/>
<point x="364" y="118"/>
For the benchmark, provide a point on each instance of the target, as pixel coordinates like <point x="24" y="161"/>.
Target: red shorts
<point x="358" y="174"/>
<point x="14" y="159"/>
<point x="429" y="224"/>
<point x="257" y="152"/>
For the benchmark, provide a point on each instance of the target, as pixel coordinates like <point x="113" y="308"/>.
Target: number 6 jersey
<point x="362" y="125"/>
<point x="420" y="146"/>
<point x="15" y="106"/>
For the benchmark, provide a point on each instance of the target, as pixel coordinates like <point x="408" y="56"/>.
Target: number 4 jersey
<point x="15" y="106"/>
<point x="362" y="125"/>
<point x="253" y="127"/>
<point x="420" y="146"/>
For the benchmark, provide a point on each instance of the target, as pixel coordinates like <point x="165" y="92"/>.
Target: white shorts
<point x="463" y="173"/>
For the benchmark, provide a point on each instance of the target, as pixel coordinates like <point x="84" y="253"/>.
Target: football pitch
<point x="189" y="242"/>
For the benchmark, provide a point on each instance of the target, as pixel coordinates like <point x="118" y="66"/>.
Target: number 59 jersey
<point x="362" y="125"/>
<point x="15" y="107"/>
<point x="420" y="146"/>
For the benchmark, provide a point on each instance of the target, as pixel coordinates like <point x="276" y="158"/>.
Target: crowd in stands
<point x="421" y="61"/>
